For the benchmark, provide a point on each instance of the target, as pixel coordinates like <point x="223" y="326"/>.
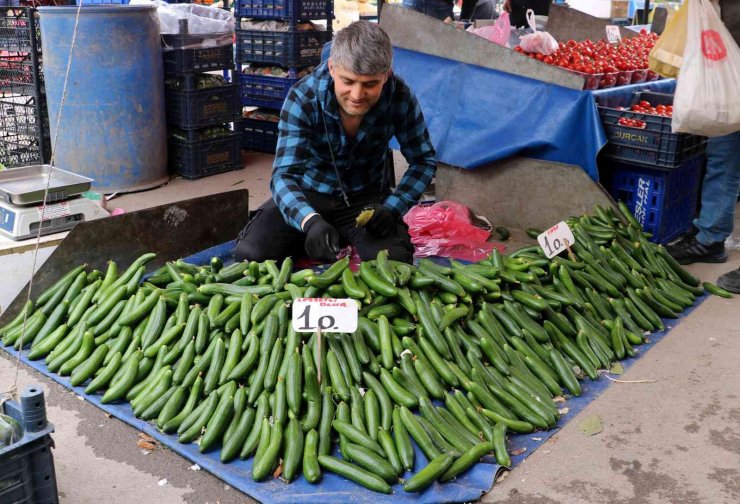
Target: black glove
<point x="382" y="223"/>
<point x="322" y="240"/>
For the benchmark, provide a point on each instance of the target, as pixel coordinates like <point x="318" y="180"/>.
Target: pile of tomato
<point x="644" y="107"/>
<point x="617" y="64"/>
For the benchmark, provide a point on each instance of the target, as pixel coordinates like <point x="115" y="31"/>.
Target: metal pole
<point x="646" y="13"/>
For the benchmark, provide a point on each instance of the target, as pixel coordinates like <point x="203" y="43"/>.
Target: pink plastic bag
<point x="445" y="229"/>
<point x="498" y="33"/>
<point x="539" y="41"/>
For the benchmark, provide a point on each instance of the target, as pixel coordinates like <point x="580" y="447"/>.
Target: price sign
<point x="613" y="35"/>
<point x="325" y="315"/>
<point x="556" y="239"/>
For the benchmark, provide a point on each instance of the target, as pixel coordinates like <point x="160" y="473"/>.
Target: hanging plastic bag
<point x="498" y="33"/>
<point x="666" y="57"/>
<point x="539" y="41"/>
<point x="206" y="26"/>
<point x="707" y="101"/>
<point x="446" y="229"/>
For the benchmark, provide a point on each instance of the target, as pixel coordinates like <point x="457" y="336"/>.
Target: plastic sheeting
<point x="622" y="96"/>
<point x="477" y="115"/>
<point x="332" y="488"/>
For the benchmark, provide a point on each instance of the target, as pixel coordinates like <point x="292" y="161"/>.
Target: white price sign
<point x="326" y="315"/>
<point x="556" y="239"/>
<point x="613" y="35"/>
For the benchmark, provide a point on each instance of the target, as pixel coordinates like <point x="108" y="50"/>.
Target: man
<point x="334" y="130"/>
<point x="706" y="241"/>
<point x="517" y="9"/>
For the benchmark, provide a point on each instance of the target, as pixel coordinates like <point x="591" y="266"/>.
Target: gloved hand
<point x="382" y="223"/>
<point x="322" y="240"/>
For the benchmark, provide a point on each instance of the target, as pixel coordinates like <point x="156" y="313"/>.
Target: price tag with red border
<point x="325" y="315"/>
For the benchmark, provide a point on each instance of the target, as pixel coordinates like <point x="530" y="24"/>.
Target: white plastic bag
<point x="202" y="20"/>
<point x="707" y="100"/>
<point x="539" y="41"/>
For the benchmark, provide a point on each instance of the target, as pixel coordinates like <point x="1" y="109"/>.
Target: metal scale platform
<point x="22" y="194"/>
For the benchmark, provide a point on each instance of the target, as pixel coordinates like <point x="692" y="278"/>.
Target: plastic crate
<point x="258" y="135"/>
<point x="656" y="144"/>
<point x="264" y="90"/>
<point x="294" y="10"/>
<point x="183" y="61"/>
<point x="27" y="467"/>
<point x="289" y="49"/>
<point x="201" y="158"/>
<point x="19" y="29"/>
<point x="202" y="107"/>
<point x="663" y="201"/>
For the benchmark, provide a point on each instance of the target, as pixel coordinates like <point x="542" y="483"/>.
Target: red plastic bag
<point x="446" y="229"/>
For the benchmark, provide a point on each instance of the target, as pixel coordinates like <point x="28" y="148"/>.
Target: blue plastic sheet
<point x="332" y="488"/>
<point x="622" y="96"/>
<point x="476" y="115"/>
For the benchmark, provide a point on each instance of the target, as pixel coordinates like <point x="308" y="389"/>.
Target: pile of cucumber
<point x="451" y="357"/>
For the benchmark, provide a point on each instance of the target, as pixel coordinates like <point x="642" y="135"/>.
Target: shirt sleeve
<point x="416" y="147"/>
<point x="294" y="134"/>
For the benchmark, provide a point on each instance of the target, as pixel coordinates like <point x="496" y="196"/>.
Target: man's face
<point x="356" y="94"/>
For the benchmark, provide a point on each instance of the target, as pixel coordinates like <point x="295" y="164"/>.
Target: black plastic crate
<point x="294" y="10"/>
<point x="203" y="107"/>
<point x="655" y="145"/>
<point x="19" y="28"/>
<point x="27" y="473"/>
<point x="21" y="150"/>
<point x="23" y="115"/>
<point x="258" y="135"/>
<point x="201" y="158"/>
<point x="264" y="90"/>
<point x="292" y="48"/>
<point x="19" y="75"/>
<point x="183" y="61"/>
<point x="663" y="201"/>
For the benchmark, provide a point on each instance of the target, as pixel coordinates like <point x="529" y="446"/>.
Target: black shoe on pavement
<point x="688" y="250"/>
<point x="730" y="281"/>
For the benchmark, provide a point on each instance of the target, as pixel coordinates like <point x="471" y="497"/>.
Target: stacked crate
<point x="656" y="172"/>
<point x="24" y="121"/>
<point x="200" y="106"/>
<point x="290" y="52"/>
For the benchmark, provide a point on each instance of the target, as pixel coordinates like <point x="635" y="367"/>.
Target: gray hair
<point x="363" y="48"/>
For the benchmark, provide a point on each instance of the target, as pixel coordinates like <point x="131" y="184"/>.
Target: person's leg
<point x="718" y="200"/>
<point x="721" y="185"/>
<point x="268" y="236"/>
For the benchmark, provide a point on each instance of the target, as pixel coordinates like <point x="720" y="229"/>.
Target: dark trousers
<point x="268" y="236"/>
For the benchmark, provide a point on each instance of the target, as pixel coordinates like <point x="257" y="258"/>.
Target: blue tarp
<point x="477" y="115"/>
<point x="333" y="488"/>
<point x="622" y="96"/>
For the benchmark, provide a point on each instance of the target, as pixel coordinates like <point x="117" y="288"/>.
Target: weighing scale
<point x="22" y="194"/>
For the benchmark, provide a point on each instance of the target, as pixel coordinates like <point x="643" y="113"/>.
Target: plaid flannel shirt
<point x="303" y="159"/>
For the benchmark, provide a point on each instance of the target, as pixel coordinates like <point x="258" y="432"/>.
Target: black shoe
<point x="730" y="281"/>
<point x="688" y="250"/>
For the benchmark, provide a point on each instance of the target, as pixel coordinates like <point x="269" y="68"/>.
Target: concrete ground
<point x="673" y="439"/>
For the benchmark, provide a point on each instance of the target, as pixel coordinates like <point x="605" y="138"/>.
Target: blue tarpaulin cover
<point x="477" y="115"/>
<point x="332" y="488"/>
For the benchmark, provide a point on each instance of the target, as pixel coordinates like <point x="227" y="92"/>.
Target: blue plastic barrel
<point x="113" y="125"/>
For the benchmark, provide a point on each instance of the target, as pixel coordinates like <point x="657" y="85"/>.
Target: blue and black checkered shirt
<point x="303" y="159"/>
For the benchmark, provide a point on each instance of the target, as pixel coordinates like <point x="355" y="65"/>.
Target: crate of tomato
<point x="642" y="133"/>
<point x="601" y="64"/>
